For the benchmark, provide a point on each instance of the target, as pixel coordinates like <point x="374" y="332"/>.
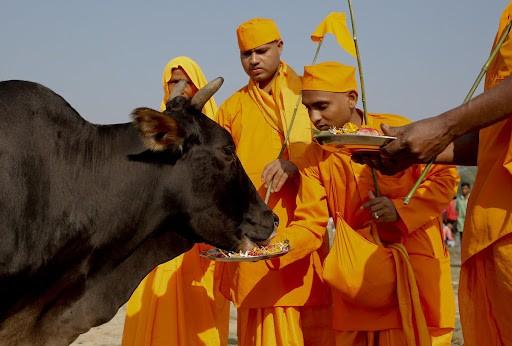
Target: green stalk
<point x="361" y="81"/>
<point x="359" y="64"/>
<point x="483" y="71"/>
<point x="289" y="130"/>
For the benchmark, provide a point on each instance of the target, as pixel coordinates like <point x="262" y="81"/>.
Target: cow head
<point x="205" y="183"/>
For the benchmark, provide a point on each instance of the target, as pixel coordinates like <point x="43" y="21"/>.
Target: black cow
<point x="87" y="210"/>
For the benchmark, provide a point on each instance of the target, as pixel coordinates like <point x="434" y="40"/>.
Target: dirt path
<point x="109" y="334"/>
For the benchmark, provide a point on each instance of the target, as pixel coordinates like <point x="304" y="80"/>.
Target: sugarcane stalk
<point x="361" y="81"/>
<point x="289" y="130"/>
<point x="476" y="83"/>
<point x="359" y="63"/>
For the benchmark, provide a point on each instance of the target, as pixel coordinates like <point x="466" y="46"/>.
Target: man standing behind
<point x="275" y="307"/>
<point x="179" y="302"/>
<point x="461" y="206"/>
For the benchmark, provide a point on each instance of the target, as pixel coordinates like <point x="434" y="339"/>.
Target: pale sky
<point x="106" y="57"/>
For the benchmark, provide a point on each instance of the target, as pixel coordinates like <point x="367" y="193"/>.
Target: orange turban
<point x="256" y="32"/>
<point x="329" y="76"/>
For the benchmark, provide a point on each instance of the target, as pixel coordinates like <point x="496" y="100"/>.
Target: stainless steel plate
<point x="352" y="143"/>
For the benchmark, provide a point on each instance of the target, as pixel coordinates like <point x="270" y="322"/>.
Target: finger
<point x="269" y="173"/>
<point x="280" y="181"/>
<point x="276" y="179"/>
<point x="371" y="194"/>
<point x="389" y="130"/>
<point x="370" y="203"/>
<point x="392" y="148"/>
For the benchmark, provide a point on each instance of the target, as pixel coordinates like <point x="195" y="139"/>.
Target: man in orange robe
<point x="478" y="132"/>
<point x="391" y="289"/>
<point x="275" y="307"/>
<point x="179" y="302"/>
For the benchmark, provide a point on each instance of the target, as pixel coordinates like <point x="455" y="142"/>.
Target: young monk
<point x="388" y="268"/>
<point x="179" y="303"/>
<point x="275" y="307"/>
<point x="477" y="133"/>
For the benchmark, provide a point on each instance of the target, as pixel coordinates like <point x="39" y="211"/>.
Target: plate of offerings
<point x="258" y="253"/>
<point x="353" y="139"/>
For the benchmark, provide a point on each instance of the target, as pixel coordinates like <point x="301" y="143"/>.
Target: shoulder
<point x="390" y="119"/>
<point x="234" y="101"/>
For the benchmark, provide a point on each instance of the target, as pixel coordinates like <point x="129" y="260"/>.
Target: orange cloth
<point x="488" y="221"/>
<point x="485" y="293"/>
<point x="329" y="76"/>
<point x="256" y="32"/>
<point x="390" y="337"/>
<point x="332" y="181"/>
<point x="256" y="121"/>
<point x="285" y="326"/>
<point x="179" y="302"/>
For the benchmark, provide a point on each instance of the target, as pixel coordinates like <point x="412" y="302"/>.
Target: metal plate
<point x="224" y="256"/>
<point x="352" y="143"/>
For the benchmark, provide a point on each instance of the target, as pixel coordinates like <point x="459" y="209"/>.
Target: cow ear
<point x="159" y="131"/>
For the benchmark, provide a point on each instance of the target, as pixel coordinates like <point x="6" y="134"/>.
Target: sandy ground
<point x="109" y="334"/>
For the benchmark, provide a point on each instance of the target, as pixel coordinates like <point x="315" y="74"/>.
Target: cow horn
<point x="204" y="94"/>
<point x="178" y="89"/>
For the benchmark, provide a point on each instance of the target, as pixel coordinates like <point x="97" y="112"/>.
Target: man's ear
<point x="159" y="131"/>
<point x="352" y="98"/>
<point x="280" y="45"/>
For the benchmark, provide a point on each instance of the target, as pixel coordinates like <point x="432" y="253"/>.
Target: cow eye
<point x="228" y="150"/>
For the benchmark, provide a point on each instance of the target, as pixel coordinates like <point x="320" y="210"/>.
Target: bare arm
<point x="426" y="139"/>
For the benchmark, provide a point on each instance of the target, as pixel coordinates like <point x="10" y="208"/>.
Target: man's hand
<point x="277" y="172"/>
<point x="417" y="142"/>
<point x="381" y="209"/>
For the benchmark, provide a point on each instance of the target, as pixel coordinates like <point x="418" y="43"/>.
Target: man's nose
<point x="253" y="59"/>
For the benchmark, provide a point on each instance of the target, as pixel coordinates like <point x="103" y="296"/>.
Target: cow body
<point x="87" y="210"/>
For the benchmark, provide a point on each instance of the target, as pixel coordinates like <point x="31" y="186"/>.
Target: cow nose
<point x="276" y="220"/>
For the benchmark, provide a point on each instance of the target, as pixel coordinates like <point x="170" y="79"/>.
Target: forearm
<point x="484" y="110"/>
<point x="463" y="151"/>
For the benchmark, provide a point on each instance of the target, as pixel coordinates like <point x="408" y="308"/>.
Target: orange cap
<point x="329" y="76"/>
<point x="256" y="32"/>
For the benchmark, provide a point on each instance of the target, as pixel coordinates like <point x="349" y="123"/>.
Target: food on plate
<point x="352" y="129"/>
<point x="269" y="250"/>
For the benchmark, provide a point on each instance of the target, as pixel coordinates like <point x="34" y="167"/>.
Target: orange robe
<point x="258" y="122"/>
<point x="486" y="275"/>
<point x="366" y="309"/>
<point x="179" y="302"/>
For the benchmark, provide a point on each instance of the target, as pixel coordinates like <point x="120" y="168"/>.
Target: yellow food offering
<point x="348" y="128"/>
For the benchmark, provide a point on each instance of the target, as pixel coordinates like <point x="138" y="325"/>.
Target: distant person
<point x="461" y="206"/>
<point x="450" y="213"/>
<point x="179" y="303"/>
<point x="449" y="234"/>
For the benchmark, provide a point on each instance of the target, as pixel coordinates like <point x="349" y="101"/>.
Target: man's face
<point x="261" y="63"/>
<point x="465" y="190"/>
<point x="327" y="109"/>
<point x="177" y="75"/>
